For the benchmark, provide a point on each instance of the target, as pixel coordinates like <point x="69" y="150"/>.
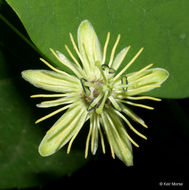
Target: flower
<point x="97" y="91"/>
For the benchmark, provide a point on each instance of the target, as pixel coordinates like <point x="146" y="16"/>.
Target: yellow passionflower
<point x="97" y="91"/>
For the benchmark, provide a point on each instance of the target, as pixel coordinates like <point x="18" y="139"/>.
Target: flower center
<point x="96" y="93"/>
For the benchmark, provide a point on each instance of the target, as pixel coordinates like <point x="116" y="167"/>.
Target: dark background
<point x="163" y="158"/>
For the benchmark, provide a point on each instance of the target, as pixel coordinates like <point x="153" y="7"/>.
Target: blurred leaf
<point x="162" y="27"/>
<point x="21" y="165"/>
<point x="1" y="2"/>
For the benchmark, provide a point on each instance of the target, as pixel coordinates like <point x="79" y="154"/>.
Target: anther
<point x="124" y="81"/>
<point x="99" y="66"/>
<point x="94" y="102"/>
<point x="104" y="67"/>
<point x="110" y="70"/>
<point x="85" y="89"/>
<point x="115" y="104"/>
<point x="101" y="106"/>
<point x="90" y="106"/>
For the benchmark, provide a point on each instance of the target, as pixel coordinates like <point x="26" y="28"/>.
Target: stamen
<point x="111" y="70"/>
<point x="115" y="104"/>
<point x="86" y="90"/>
<point x="124" y="81"/>
<point x="143" y="98"/>
<point x="71" y="55"/>
<point x="98" y="65"/>
<point x="131" y="127"/>
<point x="128" y="65"/>
<point x="100" y="108"/>
<point x="113" y="50"/>
<point x="106" y="67"/>
<point x="137" y="105"/>
<point x="53" y="68"/>
<point x="52" y="114"/>
<point x="105" y="48"/>
<point x="71" y="67"/>
<point x="140" y="71"/>
<point x="121" y="87"/>
<point x="94" y="102"/>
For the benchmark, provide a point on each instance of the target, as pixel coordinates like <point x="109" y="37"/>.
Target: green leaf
<point x="161" y="27"/>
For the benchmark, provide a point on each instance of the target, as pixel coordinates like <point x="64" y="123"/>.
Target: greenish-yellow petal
<point x="118" y="59"/>
<point x="63" y="130"/>
<point x="117" y="136"/>
<point x="89" y="45"/>
<point x="94" y="134"/>
<point x="52" y="81"/>
<point x="146" y="80"/>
